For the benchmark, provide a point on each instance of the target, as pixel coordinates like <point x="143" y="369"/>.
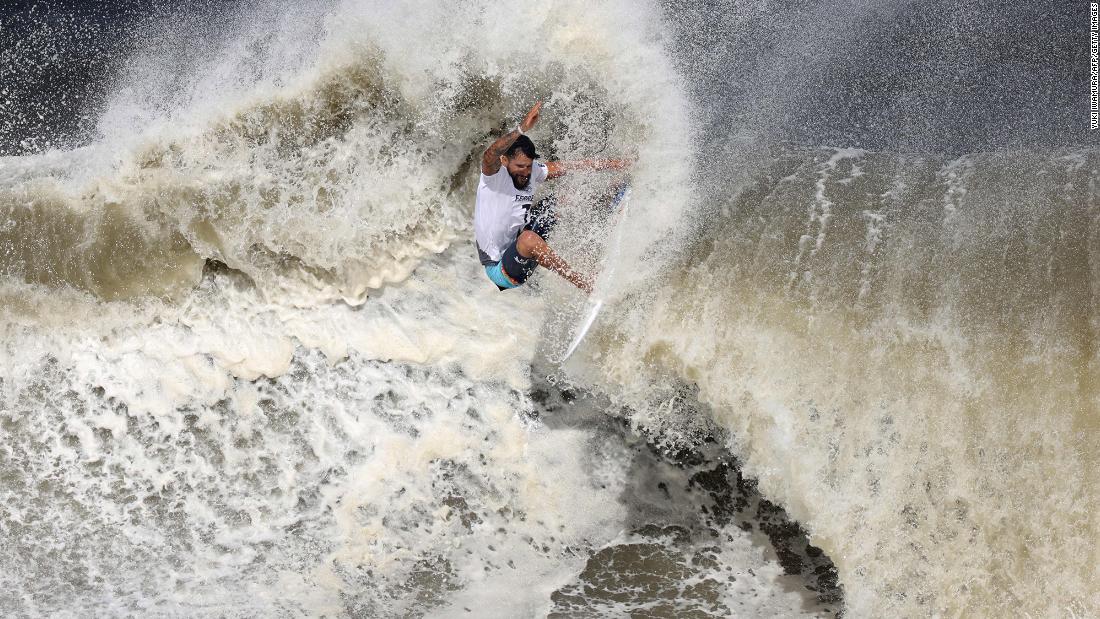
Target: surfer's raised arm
<point x="490" y="161"/>
<point x="561" y="168"/>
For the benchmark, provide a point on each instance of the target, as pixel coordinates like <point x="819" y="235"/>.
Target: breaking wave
<point x="251" y="365"/>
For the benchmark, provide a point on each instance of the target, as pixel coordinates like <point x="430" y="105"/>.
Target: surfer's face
<point x="519" y="168"/>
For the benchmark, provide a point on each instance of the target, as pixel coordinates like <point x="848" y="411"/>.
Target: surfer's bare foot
<point x="581" y="282"/>
<point x="584" y="282"/>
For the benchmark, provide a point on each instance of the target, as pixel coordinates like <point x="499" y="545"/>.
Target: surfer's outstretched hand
<point x="531" y="118"/>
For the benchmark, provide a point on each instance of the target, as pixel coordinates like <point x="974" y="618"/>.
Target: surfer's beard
<point x="516" y="180"/>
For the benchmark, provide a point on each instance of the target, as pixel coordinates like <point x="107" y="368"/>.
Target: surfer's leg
<point x="530" y="245"/>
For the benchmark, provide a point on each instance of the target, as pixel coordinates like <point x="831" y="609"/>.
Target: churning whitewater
<point x="252" y="367"/>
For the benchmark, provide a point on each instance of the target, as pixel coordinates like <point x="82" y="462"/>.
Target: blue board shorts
<point x="513" y="269"/>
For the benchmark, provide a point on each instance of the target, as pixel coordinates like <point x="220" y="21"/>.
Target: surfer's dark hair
<point x="522" y="144"/>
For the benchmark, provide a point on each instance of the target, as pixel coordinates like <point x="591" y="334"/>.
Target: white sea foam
<point x="925" y="404"/>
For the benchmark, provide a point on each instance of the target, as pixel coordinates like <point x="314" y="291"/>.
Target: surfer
<point x="511" y="233"/>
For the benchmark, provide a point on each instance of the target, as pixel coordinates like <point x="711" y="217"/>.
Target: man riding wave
<point x="510" y="233"/>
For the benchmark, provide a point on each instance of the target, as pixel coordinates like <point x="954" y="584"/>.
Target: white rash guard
<point x="501" y="209"/>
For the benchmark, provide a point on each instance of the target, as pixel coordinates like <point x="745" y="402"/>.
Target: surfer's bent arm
<point x="561" y="168"/>
<point x="490" y="161"/>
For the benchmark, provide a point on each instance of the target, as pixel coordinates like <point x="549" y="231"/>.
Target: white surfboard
<point x="586" y="324"/>
<point x="594" y="305"/>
